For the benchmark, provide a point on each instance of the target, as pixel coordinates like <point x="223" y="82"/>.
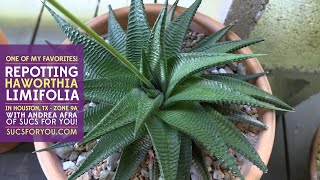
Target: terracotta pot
<point x="3" y="39"/>
<point x="315" y="150"/>
<point x="6" y="146"/>
<point x="202" y="24"/>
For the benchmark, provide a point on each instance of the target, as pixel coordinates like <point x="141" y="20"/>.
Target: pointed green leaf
<point x="185" y="158"/>
<point x="228" y="46"/>
<point x="56" y="145"/>
<point x="238" y="76"/>
<point x="155" y="49"/>
<point x="170" y="14"/>
<point x="145" y="68"/>
<point x="166" y="143"/>
<point x="137" y="32"/>
<point x="177" y="29"/>
<point x="116" y="35"/>
<point x="239" y="116"/>
<point x="152" y="93"/>
<point x="132" y="157"/>
<point x="197" y="89"/>
<point x="192" y="119"/>
<point x="199" y="162"/>
<point x="109" y="90"/>
<point x="154" y="172"/>
<point x="146" y="106"/>
<point x="251" y="90"/>
<point x="93" y="116"/>
<point x="243" y="118"/>
<point x="234" y="138"/>
<point x="120" y="115"/>
<point x="188" y="64"/>
<point x="214" y="38"/>
<point x="97" y="61"/>
<point x="106" y="146"/>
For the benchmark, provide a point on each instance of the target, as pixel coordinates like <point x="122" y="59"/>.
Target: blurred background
<point x="290" y="27"/>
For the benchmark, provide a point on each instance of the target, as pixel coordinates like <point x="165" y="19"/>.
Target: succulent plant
<point x="157" y="96"/>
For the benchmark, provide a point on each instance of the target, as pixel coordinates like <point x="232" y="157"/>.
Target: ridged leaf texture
<point x="193" y="120"/>
<point x="171" y="12"/>
<point x="156" y="49"/>
<point x="146" y="107"/>
<point x="251" y="90"/>
<point x="189" y="63"/>
<point x="131" y="158"/>
<point x="166" y="143"/>
<point x="137" y="32"/>
<point x="105" y="90"/>
<point x="177" y="29"/>
<point x="56" y="145"/>
<point x="185" y="158"/>
<point x="239" y="116"/>
<point x="116" y="35"/>
<point x="213" y="38"/>
<point x="97" y="61"/>
<point x="106" y="146"/>
<point x="197" y="89"/>
<point x="234" y="138"/>
<point x="238" y="76"/>
<point x="228" y="46"/>
<point x="120" y="115"/>
<point x="94" y="115"/>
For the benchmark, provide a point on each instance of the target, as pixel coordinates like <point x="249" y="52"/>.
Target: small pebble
<point x="228" y="70"/>
<point x="92" y="104"/>
<point x="208" y="161"/>
<point x="85" y="176"/>
<point x="233" y="66"/>
<point x="69" y="171"/>
<point x="86" y="107"/>
<point x="241" y="69"/>
<point x="67" y="165"/>
<point x="200" y="37"/>
<point x="226" y="177"/>
<point x="106" y="175"/>
<point x="252" y="134"/>
<point x="112" y="161"/>
<point x="64" y="152"/>
<point x="74" y="155"/>
<point x="217" y="175"/>
<point x="82" y="157"/>
<point x="240" y="158"/>
<point x="222" y="71"/>
<point x="90" y="145"/>
<point x="214" y="71"/>
<point x="144" y="173"/>
<point x="194" y="177"/>
<point x="80" y="148"/>
<point x="95" y="173"/>
<point x="193" y="170"/>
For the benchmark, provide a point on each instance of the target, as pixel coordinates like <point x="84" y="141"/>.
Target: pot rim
<point x="202" y="24"/>
<point x="313" y="155"/>
<point x="6" y="146"/>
